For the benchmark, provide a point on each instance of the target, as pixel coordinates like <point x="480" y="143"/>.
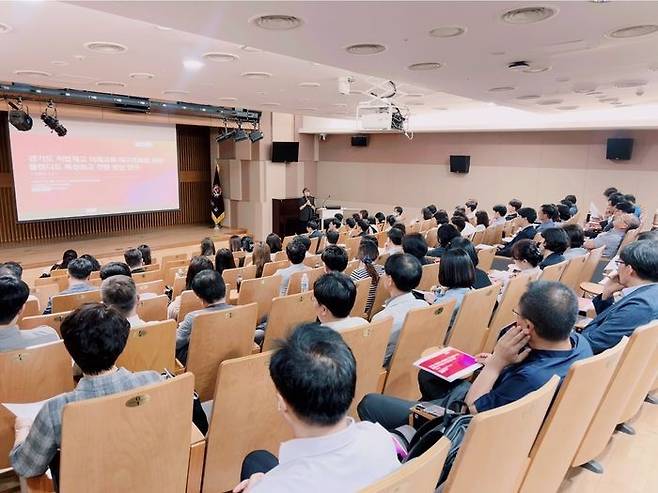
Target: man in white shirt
<point x="314" y="373"/>
<point x="402" y="275"/>
<point x="499" y="212"/>
<point x="394" y="241"/>
<point x="334" y="258"/>
<point x="296" y="252"/>
<point x="334" y="295"/>
<point x="465" y="228"/>
<point x="120" y="293"/>
<point x="471" y="206"/>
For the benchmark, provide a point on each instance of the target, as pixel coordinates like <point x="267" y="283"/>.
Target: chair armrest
<point x="429" y="351"/>
<point x="37" y="484"/>
<point x="195" y="464"/>
<point x="381" y="382"/>
<point x="179" y="369"/>
<point x="255" y="349"/>
<point x="592" y="288"/>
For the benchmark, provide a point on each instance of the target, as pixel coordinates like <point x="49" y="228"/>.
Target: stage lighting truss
<point x="49" y="117"/>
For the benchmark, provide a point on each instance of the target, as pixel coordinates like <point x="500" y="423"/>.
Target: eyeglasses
<point x="619" y="262"/>
<point x="516" y="312"/>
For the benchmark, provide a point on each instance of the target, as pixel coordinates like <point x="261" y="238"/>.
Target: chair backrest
<point x="135" y="428"/>
<point x="313" y="261"/>
<point x="286" y="240"/>
<point x="179" y="286"/>
<point x="151" y="276"/>
<point x="151" y="347"/>
<point x="68" y="302"/>
<point x="381" y="295"/>
<point x="634" y="360"/>
<point x="153" y="309"/>
<point x="46" y="291"/>
<point x="218" y="336"/>
<point x="314" y="245"/>
<point x="31" y="308"/>
<point x="504" y="314"/>
<point x="177" y="257"/>
<point x="381" y="260"/>
<point x="30" y="375"/>
<point x="230" y="276"/>
<point x="471" y="326"/>
<point x="431" y="238"/>
<point x="288" y="312"/>
<point x="413" y="228"/>
<point x="566" y="424"/>
<point x="155" y="287"/>
<point x="571" y="274"/>
<point x="295" y="281"/>
<point x="270" y="268"/>
<point x="368" y="344"/>
<point x="189" y="302"/>
<point x="53" y="320"/>
<point x="589" y="267"/>
<point x="151" y="267"/>
<point x="261" y="291"/>
<point x="489" y="235"/>
<point x="495" y="449"/>
<point x="553" y="272"/>
<point x="244" y="418"/>
<point x="423" y="328"/>
<point x="60" y="282"/>
<point x="419" y="475"/>
<point x="279" y="256"/>
<point x="351" y="266"/>
<point x="430" y="276"/>
<point x="362" y="290"/>
<point x="485" y="258"/>
<point x="382" y="236"/>
<point x="478" y="236"/>
<point x="59" y="273"/>
<point x="629" y="237"/>
<point x="173" y="269"/>
<point x="353" y="244"/>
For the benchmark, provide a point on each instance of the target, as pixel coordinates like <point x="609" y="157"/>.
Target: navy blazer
<point x="616" y="320"/>
<point x="527" y="233"/>
<point x="552" y="259"/>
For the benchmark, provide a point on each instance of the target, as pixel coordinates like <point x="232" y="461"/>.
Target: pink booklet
<point x="449" y="364"/>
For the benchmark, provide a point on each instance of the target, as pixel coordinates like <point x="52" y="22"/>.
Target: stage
<point x="38" y="256"/>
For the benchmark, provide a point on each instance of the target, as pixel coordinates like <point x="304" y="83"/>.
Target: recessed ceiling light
<point x="191" y="64"/>
<point x="502" y="89"/>
<point x="415" y="103"/>
<point x="567" y="108"/>
<point x="175" y="92"/>
<point x="4" y="28"/>
<point x="617" y="103"/>
<point x="608" y="100"/>
<point x="59" y="63"/>
<point x="528" y="15"/>
<point x="593" y="93"/>
<point x="528" y="97"/>
<point x="270" y="104"/>
<point x="309" y="84"/>
<point x="277" y="22"/>
<point x="341" y="105"/>
<point x="141" y="75"/>
<point x="562" y="79"/>
<point x="633" y="31"/>
<point x="536" y="69"/>
<point x="414" y="95"/>
<point x="631" y="83"/>
<point x="418" y="67"/>
<point x="498" y="53"/>
<point x="250" y="49"/>
<point x="227" y="98"/>
<point x="106" y="47"/>
<point x="256" y="75"/>
<point x="79" y="57"/>
<point x="215" y="56"/>
<point x="261" y="93"/>
<point x="306" y="109"/>
<point x="163" y="28"/>
<point x="33" y="73"/>
<point x="447" y="31"/>
<point x="624" y="105"/>
<point x="584" y="88"/>
<point x="548" y="102"/>
<point x="440" y="108"/>
<point x="110" y="83"/>
<point x="365" y="49"/>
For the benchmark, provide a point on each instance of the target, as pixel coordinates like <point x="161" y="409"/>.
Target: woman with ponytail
<point x="368" y="254"/>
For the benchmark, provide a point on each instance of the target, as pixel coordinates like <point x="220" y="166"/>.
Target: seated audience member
<point x="526" y="357"/>
<point x="274" y="242"/>
<point x="353" y="230"/>
<point x="394" y="241"/>
<point x="95" y="264"/>
<point x="390" y="222"/>
<point x="636" y="280"/>
<point x="426" y="213"/>
<point x="612" y="239"/>
<point x="380" y="218"/>
<point x="334" y="258"/>
<point x="66" y="259"/>
<point x="146" y="254"/>
<point x="312" y="230"/>
<point x="481" y="220"/>
<point x="207" y="247"/>
<point x="332" y="237"/>
<point x="368" y="254"/>
<point x="115" y="269"/>
<point x="401" y="227"/>
<point x="555" y="242"/>
<point x="247" y="244"/>
<point x="573" y="208"/>
<point x="499" y="212"/>
<point x="547" y="216"/>
<point x="94" y="335"/>
<point x="471" y="206"/>
<point x="526" y="255"/>
<point x="445" y="234"/>
<point x="616" y="206"/>
<point x="609" y="191"/>
<point x="363" y="228"/>
<point x="403" y="273"/>
<point x="15" y="269"/>
<point x="133" y="258"/>
<point x="481" y="278"/>
<point x="13" y="296"/>
<point x="197" y="264"/>
<point x="209" y="286"/>
<point x="79" y="271"/>
<point x="223" y="260"/>
<point x="513" y="207"/>
<point x="234" y="243"/>
<point x="462" y="225"/>
<point x="399" y="214"/>
<point x="433" y="209"/>
<point x="637" y="210"/>
<point x="339" y="217"/>
<point x="296" y="252"/>
<point x="563" y="211"/>
<point x="415" y="244"/>
<point x="441" y="217"/>
<point x="363" y="213"/>
<point x="527" y="231"/>
<point x="120" y="293"/>
<point x="306" y="241"/>
<point x="576" y="241"/>
<point x="314" y="373"/>
<point x="260" y="256"/>
<point x="335" y="294"/>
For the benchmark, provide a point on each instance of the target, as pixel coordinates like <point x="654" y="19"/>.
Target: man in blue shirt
<point x="79" y="271"/>
<point x="541" y="345"/>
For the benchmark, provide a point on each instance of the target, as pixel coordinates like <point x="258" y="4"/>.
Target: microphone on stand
<point x="324" y="202"/>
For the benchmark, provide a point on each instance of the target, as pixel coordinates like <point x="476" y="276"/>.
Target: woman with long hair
<point x="207" y="247"/>
<point x="224" y="260"/>
<point x="368" y="254"/>
<point x="197" y="264"/>
<point x="260" y="257"/>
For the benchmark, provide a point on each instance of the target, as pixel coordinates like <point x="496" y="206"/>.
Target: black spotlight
<point x="51" y="121"/>
<point x="18" y="117"/>
<point x="255" y="135"/>
<point x="240" y="134"/>
<point x="224" y="135"/>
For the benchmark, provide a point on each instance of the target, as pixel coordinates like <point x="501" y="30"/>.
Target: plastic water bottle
<point x="303" y="285"/>
<point x="238" y="281"/>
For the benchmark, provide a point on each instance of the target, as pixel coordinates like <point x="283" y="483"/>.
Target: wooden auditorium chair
<point x="68" y="302"/>
<point x="295" y="281"/>
<point x="173" y="270"/>
<point x="553" y="272"/>
<point x="431" y="238"/>
<point x="154" y="309"/>
<point x="231" y="276"/>
<point x="478" y="236"/>
<point x="31" y="308"/>
<point x="586" y="275"/>
<point x="151" y="347"/>
<point x="471" y="327"/>
<point x="288" y="312"/>
<point x="362" y="290"/>
<point x="154" y="276"/>
<point x="152" y="287"/>
<point x="572" y="272"/>
<point x="189" y="302"/>
<point x="262" y="291"/>
<point x="46" y="291"/>
<point x="313" y="261"/>
<point x="53" y="320"/>
<point x="486" y="257"/>
<point x="381" y="295"/>
<point x="430" y="277"/>
<point x="270" y="268"/>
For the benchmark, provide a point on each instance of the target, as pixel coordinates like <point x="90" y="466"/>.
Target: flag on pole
<point x="216" y="200"/>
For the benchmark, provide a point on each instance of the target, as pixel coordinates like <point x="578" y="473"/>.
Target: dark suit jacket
<point x="436" y="252"/>
<point x="552" y="259"/>
<point x="307" y="213"/>
<point x="616" y="320"/>
<point x="528" y="233"/>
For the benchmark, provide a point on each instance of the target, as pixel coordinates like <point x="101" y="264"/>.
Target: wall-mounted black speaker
<point x="460" y="164"/>
<point x="360" y="140"/>
<point x="619" y="149"/>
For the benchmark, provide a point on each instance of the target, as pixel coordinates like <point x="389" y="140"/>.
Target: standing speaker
<point x="360" y="141"/>
<point x="460" y="164"/>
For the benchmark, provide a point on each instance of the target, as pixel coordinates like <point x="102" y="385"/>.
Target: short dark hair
<point x="391" y="219"/>
<point x="528" y="213"/>
<point x="550" y="210"/>
<point x="516" y="203"/>
<point x="363" y="213"/>
<point x="337" y="292"/>
<point x="552" y="308"/>
<point x="115" y="269"/>
<point x="11" y="268"/>
<point x="395" y="235"/>
<point x="415" y="245"/>
<point x="13" y="295"/>
<point x="312" y="224"/>
<point x="95" y="335"/>
<point x="196" y="265"/>
<point x="274" y="242"/>
<point x="527" y="250"/>
<point x="500" y="209"/>
<point x="120" y="292"/>
<point x="95" y="264"/>
<point x="615" y="198"/>
<point x="481" y="217"/>
<point x="246" y="243"/>
<point x="445" y="234"/>
<point x="80" y="268"/>
<point x="295" y="251"/>
<point x="339" y="216"/>
<point x="466" y="245"/>
<point x="609" y="191"/>
<point x="426" y="213"/>
<point x="398" y="209"/>
<point x="223" y="260"/>
<point x="458" y="222"/>
<point x="625" y="206"/>
<point x="456" y="269"/>
<point x="209" y="286"/>
<point x="133" y="257"/>
<point x="472" y="204"/>
<point x="629" y="197"/>
<point x="335" y="258"/>
<point x="571" y="198"/>
<point x="207" y="247"/>
<point x="146" y="254"/>
<point x="575" y="234"/>
<point x="332" y="237"/>
<point x="556" y="240"/>
<point x="642" y="256"/>
<point x="380" y="217"/>
<point x="364" y="225"/>
<point x="563" y="212"/>
<point x="67" y="257"/>
<point x="401" y="227"/>
<point x="405" y="271"/>
<point x="314" y="371"/>
<point x="648" y="235"/>
<point x="432" y="208"/>
<point x="441" y="217"/>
